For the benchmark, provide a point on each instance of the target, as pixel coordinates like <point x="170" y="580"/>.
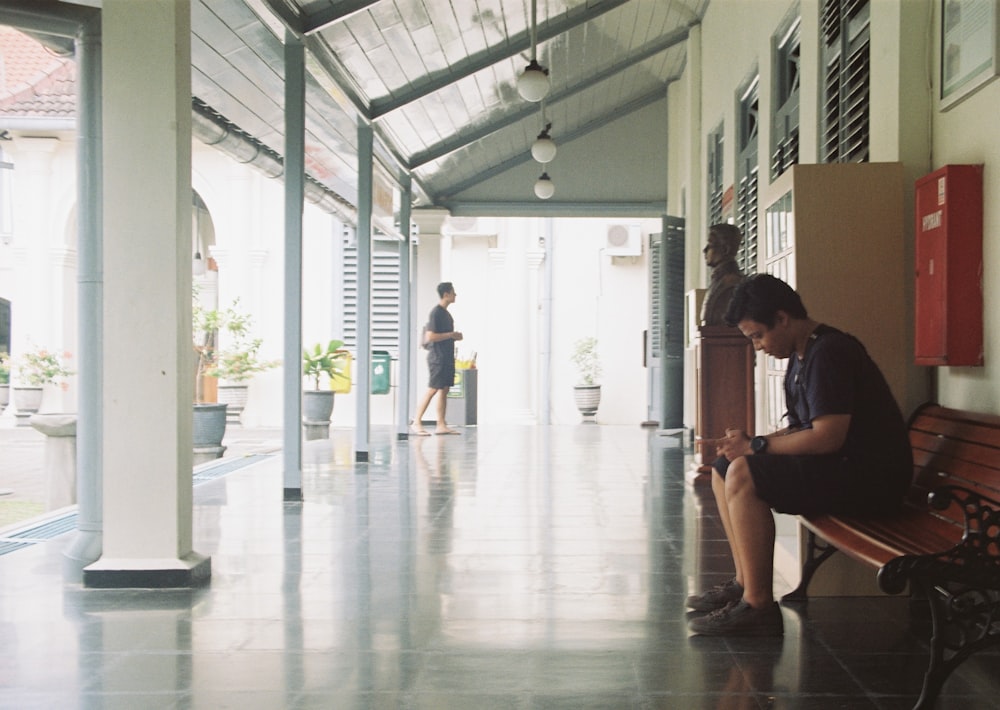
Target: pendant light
<point x="198" y="265"/>
<point x="544" y="187"/>
<point x="533" y="84"/>
<point x="544" y="148"/>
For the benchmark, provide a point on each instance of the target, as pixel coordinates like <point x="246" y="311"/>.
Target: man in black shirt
<point x="845" y="450"/>
<point x="441" y="337"/>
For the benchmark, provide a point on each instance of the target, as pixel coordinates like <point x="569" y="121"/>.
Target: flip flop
<point x="447" y="431"/>
<point x="421" y="432"/>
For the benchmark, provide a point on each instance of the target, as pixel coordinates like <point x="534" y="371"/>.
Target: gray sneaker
<point x="740" y="619"/>
<point x="717" y="597"/>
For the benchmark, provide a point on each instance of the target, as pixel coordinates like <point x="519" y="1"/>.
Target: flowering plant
<point x="4" y="368"/>
<point x="40" y="366"/>
<point x="239" y="359"/>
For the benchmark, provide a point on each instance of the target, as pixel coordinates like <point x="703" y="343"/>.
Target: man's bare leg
<point x="752" y="534"/>
<point x="442" y="406"/>
<point x="719" y="489"/>
<point x="417" y="424"/>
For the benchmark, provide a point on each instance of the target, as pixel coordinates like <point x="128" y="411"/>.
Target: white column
<point x="535" y="259"/>
<point x="148" y="357"/>
<point x="36" y="319"/>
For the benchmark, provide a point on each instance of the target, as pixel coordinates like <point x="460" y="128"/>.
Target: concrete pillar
<point x="60" y="458"/>
<point x="148" y="353"/>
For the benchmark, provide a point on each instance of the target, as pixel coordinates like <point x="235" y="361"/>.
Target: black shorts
<point x="802" y="485"/>
<point x="442" y="372"/>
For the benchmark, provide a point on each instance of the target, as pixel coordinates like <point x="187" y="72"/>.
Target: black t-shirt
<point x="838" y="376"/>
<point x="440" y="321"/>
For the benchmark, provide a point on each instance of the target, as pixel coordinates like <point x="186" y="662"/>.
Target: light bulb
<point x="533" y="84"/>
<point x="544" y="148"/>
<point x="544" y="187"/>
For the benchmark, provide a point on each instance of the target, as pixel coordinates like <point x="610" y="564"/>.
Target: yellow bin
<point x="341" y="384"/>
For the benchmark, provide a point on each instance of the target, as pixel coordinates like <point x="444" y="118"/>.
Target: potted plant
<point x="587" y="392"/>
<point x="237" y="361"/>
<point x="235" y="364"/>
<point x="317" y="404"/>
<point x="4" y="381"/>
<point x="35" y="369"/>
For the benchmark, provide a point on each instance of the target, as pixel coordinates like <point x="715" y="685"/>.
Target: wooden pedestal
<point x="724" y="388"/>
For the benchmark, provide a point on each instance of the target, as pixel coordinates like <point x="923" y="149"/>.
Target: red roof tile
<point x="34" y="82"/>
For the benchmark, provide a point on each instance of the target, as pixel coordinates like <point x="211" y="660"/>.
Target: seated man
<point x="845" y="450"/>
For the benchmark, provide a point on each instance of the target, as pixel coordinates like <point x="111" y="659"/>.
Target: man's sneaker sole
<point x="740" y="619"/>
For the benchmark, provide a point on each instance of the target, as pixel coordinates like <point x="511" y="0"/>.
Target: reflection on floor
<point x="514" y="567"/>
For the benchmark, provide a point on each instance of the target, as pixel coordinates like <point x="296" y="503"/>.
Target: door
<point x="664" y="342"/>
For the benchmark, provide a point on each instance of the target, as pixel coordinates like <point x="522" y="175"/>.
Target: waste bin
<point x="341" y="382"/>
<point x="381" y="365"/>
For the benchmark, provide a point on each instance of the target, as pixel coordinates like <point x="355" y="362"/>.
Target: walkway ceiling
<point x="435" y="78"/>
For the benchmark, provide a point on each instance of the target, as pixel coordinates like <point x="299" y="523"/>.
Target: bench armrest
<point x="975" y="560"/>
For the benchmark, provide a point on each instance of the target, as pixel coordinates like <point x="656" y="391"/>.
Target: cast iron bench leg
<point x="964" y="620"/>
<point x="817" y="552"/>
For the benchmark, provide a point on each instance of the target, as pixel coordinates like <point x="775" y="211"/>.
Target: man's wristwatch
<point x="758" y="444"/>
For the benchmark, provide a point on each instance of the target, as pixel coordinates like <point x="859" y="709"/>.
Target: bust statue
<point x="720" y="257"/>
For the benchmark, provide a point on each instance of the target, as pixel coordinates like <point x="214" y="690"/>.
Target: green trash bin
<point x="381" y="366"/>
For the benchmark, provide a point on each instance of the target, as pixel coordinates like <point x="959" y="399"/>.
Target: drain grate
<point x="47" y="529"/>
<point x="209" y="472"/>
<point x="6" y="547"/>
<point x="53" y="527"/>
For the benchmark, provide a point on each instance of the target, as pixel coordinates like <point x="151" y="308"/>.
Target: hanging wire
<point x="534" y="28"/>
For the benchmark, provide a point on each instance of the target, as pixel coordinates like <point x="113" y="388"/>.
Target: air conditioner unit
<point x="623" y="240"/>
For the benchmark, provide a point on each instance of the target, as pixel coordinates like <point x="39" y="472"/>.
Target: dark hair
<point x="760" y="297"/>
<point x="729" y="234"/>
<point x="445" y="287"/>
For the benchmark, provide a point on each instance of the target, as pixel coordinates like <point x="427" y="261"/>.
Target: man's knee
<point x="738" y="478"/>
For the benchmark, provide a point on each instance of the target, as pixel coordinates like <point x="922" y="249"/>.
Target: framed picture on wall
<point x="969" y="44"/>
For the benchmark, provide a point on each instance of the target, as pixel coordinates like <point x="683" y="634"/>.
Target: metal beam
<point x="459" y="141"/>
<point x="550" y="208"/>
<point x="45" y="17"/>
<point x="523" y="157"/>
<point x="292" y="22"/>
<point x="319" y="21"/>
<point x="483" y="60"/>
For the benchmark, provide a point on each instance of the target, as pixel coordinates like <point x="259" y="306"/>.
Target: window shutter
<point x="846" y="82"/>
<point x="747" y="166"/>
<point x="385" y="297"/>
<point x="785" y="123"/>
<point x="715" y="191"/>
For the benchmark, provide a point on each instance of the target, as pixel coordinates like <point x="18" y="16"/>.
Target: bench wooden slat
<point x="876" y="541"/>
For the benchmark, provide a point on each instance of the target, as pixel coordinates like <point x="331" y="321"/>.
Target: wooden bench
<point x="944" y="543"/>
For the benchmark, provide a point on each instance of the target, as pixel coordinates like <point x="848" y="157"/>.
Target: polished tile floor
<point x="514" y="567"/>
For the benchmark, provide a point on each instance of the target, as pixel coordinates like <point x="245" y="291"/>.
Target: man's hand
<point x="734" y="444"/>
<point x="456" y="335"/>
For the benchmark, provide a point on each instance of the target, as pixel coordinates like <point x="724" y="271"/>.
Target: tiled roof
<point x="34" y="82"/>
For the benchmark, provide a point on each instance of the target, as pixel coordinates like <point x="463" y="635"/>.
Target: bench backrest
<point x="952" y="446"/>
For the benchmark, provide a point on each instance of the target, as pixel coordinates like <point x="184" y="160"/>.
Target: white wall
<point x="967" y="133"/>
<point x="38" y="267"/>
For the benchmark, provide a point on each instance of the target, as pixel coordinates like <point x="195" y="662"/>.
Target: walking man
<point x="441" y="336"/>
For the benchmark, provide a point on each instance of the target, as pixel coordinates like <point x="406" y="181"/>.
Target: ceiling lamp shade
<point x="533" y="84"/>
<point x="198" y="265"/>
<point x="544" y="148"/>
<point x="544" y="187"/>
